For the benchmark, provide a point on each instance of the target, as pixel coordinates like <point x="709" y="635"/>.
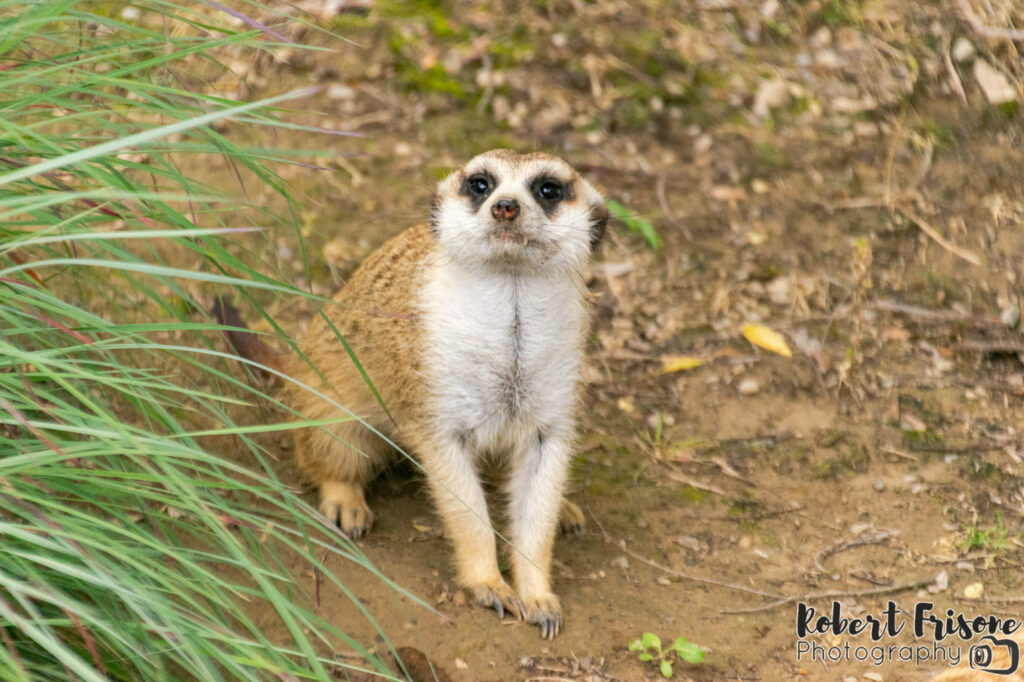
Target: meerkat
<point x="469" y="333"/>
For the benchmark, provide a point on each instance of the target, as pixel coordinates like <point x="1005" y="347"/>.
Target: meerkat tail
<point x="244" y="342"/>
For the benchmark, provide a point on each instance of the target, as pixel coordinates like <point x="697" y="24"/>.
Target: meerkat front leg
<point x="463" y="508"/>
<point x="535" y="492"/>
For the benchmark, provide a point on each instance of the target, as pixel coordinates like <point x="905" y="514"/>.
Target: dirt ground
<point x="841" y="172"/>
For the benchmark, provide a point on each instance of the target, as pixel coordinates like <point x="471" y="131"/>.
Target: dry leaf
<point x="762" y="336"/>
<point x="679" y="363"/>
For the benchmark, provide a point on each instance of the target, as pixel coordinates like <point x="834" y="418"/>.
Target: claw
<point x="499" y="607"/>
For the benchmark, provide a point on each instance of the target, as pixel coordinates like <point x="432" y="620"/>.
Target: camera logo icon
<point x="997" y="656"/>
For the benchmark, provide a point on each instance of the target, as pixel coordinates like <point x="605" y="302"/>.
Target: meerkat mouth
<point x="511" y="238"/>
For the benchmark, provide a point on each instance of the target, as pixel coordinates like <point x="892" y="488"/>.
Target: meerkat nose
<point x="505" y="209"/>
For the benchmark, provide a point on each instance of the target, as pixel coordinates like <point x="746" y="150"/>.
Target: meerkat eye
<point x="549" y="191"/>
<point x="478" y="184"/>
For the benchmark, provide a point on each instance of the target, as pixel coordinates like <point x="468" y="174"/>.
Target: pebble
<point x="131" y="13"/>
<point x="974" y="591"/>
<point x="941" y="583"/>
<point x="664" y="581"/>
<point x="461" y="664"/>
<point x="702" y="144"/>
<point x="771" y="94"/>
<point x="749" y="387"/>
<point x="821" y="37"/>
<point x="1010" y="315"/>
<point x="879" y="486"/>
<point x="874" y="677"/>
<point x="963" y="50"/>
<point x="341" y="91"/>
<point x="620" y="562"/>
<point x="994" y="84"/>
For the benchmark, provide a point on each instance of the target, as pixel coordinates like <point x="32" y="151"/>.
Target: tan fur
<point x="374" y="313"/>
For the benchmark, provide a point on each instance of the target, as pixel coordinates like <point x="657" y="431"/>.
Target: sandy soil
<point x="810" y="166"/>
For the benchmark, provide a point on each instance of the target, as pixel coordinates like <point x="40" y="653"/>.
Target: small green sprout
<point x="642" y="226"/>
<point x="992" y="539"/>
<point x="649" y="646"/>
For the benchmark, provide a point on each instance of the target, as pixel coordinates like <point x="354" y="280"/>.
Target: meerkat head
<point x="519" y="211"/>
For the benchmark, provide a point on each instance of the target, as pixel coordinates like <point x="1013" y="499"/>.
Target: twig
<point x="1001" y="600"/>
<point x="686" y="480"/>
<point x="621" y="544"/>
<point x="985" y="30"/>
<point x="1006" y="346"/>
<point x="958" y="86"/>
<point x="830" y="595"/>
<point x="848" y="545"/>
<point x="936" y="315"/>
<point x="938" y="238"/>
<point x="899" y="453"/>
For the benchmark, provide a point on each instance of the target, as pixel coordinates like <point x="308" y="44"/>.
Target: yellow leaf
<point x="762" y="336"/>
<point x="679" y="363"/>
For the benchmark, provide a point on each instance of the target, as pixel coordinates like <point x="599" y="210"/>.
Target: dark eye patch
<point x="550" y="191"/>
<point x="477" y="187"/>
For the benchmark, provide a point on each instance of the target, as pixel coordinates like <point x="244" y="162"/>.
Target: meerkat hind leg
<point x="571" y="519"/>
<point x="345" y="504"/>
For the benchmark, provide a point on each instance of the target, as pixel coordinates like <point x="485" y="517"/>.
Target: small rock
<point x="993" y="83"/>
<point x="1010" y="315"/>
<point x="341" y="91"/>
<point x="461" y="664"/>
<point x="662" y="580"/>
<point x="879" y="486"/>
<point x="749" y="387"/>
<point x="131" y="13"/>
<point x="702" y="144"/>
<point x="874" y="677"/>
<point x="689" y="542"/>
<point x="559" y="40"/>
<point x="771" y="94"/>
<point x="746" y="542"/>
<point x="941" y="583"/>
<point x="963" y="50"/>
<point x="620" y="562"/>
<point x="917" y="489"/>
<point x="759" y="186"/>
<point x="974" y="591"/>
<point x="849" y="678"/>
<point x="865" y="129"/>
<point x="822" y="37"/>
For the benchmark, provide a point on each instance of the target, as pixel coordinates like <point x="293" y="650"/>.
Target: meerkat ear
<point x="598" y="224"/>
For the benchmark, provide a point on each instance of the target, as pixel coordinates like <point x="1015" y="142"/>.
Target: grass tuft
<point x="132" y="546"/>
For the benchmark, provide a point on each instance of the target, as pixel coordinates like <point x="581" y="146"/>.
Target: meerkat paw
<point x="345" y="505"/>
<point x="571" y="519"/>
<point x="545" y="611"/>
<point x="498" y="596"/>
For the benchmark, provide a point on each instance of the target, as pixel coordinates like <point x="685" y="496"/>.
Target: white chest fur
<point x="502" y="353"/>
